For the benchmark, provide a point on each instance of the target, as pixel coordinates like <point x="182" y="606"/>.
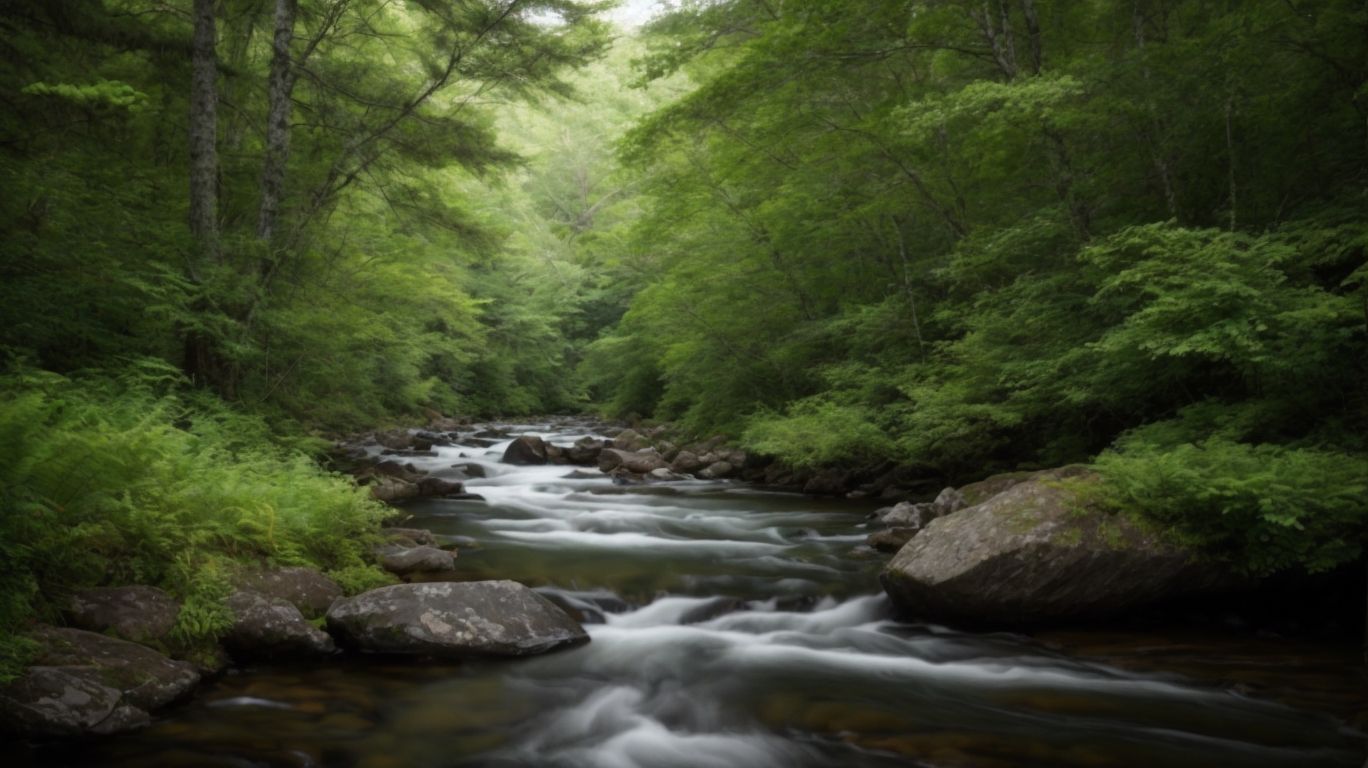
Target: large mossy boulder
<point x="138" y="613"/>
<point x="83" y="682"/>
<point x="1038" y="551"/>
<point x="453" y="620"/>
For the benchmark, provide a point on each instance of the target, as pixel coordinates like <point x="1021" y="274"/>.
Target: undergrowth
<point x="128" y="479"/>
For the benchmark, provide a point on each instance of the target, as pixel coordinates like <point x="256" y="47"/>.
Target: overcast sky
<point x="633" y="13"/>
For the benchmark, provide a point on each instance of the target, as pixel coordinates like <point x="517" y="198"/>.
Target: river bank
<point x="730" y="625"/>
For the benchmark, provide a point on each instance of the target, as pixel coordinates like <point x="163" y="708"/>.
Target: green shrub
<point x="1264" y="508"/>
<point x="120" y="481"/>
<point x="816" y="432"/>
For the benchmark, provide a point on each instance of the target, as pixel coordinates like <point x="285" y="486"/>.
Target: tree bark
<point x="204" y="133"/>
<point x="279" y="89"/>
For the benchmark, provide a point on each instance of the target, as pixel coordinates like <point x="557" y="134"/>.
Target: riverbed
<point x="735" y="627"/>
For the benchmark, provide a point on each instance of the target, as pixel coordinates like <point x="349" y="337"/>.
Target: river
<point x="733" y="627"/>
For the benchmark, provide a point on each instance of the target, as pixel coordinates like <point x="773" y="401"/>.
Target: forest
<point x="946" y="238"/>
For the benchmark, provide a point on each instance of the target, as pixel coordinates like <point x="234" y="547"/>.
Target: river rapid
<point x="733" y="627"/>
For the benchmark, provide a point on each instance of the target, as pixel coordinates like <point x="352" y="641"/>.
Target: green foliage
<point x="1264" y="508"/>
<point x="354" y="579"/>
<point x="118" y="481"/>
<point x="904" y="232"/>
<point x="813" y="433"/>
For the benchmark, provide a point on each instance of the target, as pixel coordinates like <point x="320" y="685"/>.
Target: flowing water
<point x="732" y="627"/>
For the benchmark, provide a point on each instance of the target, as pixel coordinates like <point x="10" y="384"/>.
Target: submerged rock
<point x="138" y="613"/>
<point x="1035" y="552"/>
<point x="451" y="619"/>
<point x="265" y="628"/>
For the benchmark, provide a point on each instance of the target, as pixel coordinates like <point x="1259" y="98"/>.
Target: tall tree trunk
<point x="203" y="363"/>
<point x="279" y="90"/>
<point x="204" y="133"/>
<point x="1028" y="12"/>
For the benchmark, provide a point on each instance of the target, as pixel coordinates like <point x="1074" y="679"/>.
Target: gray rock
<point x="892" y="539"/>
<point x="451" y="619"/>
<point x="439" y="486"/>
<point x="472" y="469"/>
<point x="950" y="501"/>
<point x="717" y="470"/>
<point x="266" y="628"/>
<point x="391" y="490"/>
<point x="137" y="613"/>
<point x="640" y="463"/>
<point x="123" y="718"/>
<point x="526" y="450"/>
<point x="420" y="559"/>
<point x="1037" y="552"/>
<point x="54" y="701"/>
<point x="145" y="679"/>
<point x="397" y="439"/>
<point x="630" y="440"/>
<point x="415" y="535"/>
<point x="584" y="452"/>
<point x="977" y="493"/>
<point x="664" y="475"/>
<point x="304" y="588"/>
<point x="828" y="482"/>
<point x="687" y="462"/>
<point x="906" y="514"/>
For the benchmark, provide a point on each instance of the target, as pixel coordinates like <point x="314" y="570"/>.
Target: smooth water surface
<point x="732" y="627"/>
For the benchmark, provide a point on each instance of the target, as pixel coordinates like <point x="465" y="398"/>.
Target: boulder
<point x="641" y="462"/>
<point x="392" y="468"/>
<point x="472" y="469"/>
<point x="891" y="539"/>
<point x="438" y="486"/>
<point x="55" y="701"/>
<point x="420" y="559"/>
<point x="83" y="682"/>
<point x="687" y="462"/>
<point x="664" y="475"/>
<point x="267" y="628"/>
<point x="717" y="470"/>
<point x="905" y="514"/>
<point x="451" y="619"/>
<point x="137" y="613"/>
<point x="584" y="452"/>
<point x="828" y="482"/>
<point x="415" y="535"/>
<point x="397" y="439"/>
<point x="304" y="588"/>
<point x="983" y="490"/>
<point x="1036" y="552"/>
<point x="949" y="501"/>
<point x="630" y="440"/>
<point x="525" y="450"/>
<point x="391" y="490"/>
